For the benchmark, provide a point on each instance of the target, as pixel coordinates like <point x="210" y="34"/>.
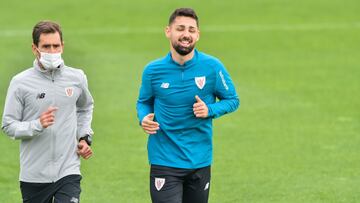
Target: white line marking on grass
<point x="210" y="28"/>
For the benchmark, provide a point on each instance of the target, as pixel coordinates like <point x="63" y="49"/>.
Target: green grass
<point x="296" y="66"/>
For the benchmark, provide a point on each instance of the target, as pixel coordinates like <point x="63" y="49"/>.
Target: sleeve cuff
<point x="36" y="126"/>
<point x="210" y="111"/>
<point x="84" y="133"/>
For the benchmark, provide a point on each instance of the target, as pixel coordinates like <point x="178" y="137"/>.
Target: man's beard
<point x="183" y="51"/>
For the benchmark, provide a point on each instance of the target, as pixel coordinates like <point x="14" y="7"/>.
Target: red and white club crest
<point x="159" y="183"/>
<point x="200" y="81"/>
<point x="69" y="91"/>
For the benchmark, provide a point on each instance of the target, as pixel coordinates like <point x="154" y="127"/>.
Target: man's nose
<point x="53" y="49"/>
<point x="186" y="33"/>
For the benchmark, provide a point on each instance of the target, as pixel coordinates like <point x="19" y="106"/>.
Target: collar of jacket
<point x="188" y="63"/>
<point x="50" y="74"/>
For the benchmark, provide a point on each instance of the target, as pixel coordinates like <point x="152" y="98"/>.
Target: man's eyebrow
<point x="185" y="26"/>
<point x="55" y="44"/>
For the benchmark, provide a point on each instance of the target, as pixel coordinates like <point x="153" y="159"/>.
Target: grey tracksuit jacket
<point x="46" y="155"/>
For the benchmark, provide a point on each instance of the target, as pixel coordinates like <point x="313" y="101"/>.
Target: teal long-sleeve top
<point x="168" y="90"/>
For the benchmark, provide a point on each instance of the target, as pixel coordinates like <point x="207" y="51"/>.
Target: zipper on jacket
<point x="52" y="76"/>
<point x="182" y="73"/>
<point x="53" y="138"/>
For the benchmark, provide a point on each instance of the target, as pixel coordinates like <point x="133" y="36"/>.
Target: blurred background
<point x="296" y="136"/>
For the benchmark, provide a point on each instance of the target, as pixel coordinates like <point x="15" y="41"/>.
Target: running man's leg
<point x="166" y="184"/>
<point x="197" y="186"/>
<point x="68" y="189"/>
<point x="37" y="192"/>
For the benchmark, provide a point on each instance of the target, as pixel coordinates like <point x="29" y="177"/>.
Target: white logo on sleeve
<point x="69" y="91"/>
<point x="223" y="80"/>
<point x="159" y="183"/>
<point x="200" y="82"/>
<point x="165" y="85"/>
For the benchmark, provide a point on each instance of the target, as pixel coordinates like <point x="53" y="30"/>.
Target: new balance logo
<point x="40" y="96"/>
<point x="165" y="85"/>
<point x="74" y="200"/>
<point x="207" y="186"/>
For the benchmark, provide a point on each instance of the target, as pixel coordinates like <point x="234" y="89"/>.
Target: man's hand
<point x="149" y="125"/>
<point x="84" y="150"/>
<point x="200" y="109"/>
<point x="47" y="118"/>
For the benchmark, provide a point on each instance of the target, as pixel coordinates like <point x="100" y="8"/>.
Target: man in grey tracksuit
<point x="49" y="108"/>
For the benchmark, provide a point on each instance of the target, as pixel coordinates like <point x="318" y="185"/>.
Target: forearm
<point x="143" y="109"/>
<point x="23" y="130"/>
<point x="84" y="118"/>
<point x="223" y="106"/>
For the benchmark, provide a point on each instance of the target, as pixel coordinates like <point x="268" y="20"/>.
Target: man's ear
<point x="35" y="51"/>
<point x="62" y="46"/>
<point x="167" y="31"/>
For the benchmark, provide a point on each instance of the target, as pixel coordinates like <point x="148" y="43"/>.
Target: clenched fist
<point x="47" y="118"/>
<point x="149" y="125"/>
<point x="200" y="109"/>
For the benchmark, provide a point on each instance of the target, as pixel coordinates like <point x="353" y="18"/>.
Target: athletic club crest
<point x="69" y="91"/>
<point x="200" y="82"/>
<point x="159" y="183"/>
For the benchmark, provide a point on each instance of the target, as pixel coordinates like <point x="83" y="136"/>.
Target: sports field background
<point x="296" y="66"/>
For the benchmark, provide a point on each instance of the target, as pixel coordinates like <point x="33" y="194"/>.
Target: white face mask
<point x="50" y="61"/>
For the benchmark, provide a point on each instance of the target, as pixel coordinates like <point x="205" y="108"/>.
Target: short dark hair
<point x="187" y="12"/>
<point x="46" y="27"/>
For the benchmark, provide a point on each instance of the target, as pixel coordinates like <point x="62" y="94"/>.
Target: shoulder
<point x="210" y="60"/>
<point x="155" y="65"/>
<point x="21" y="80"/>
<point x="26" y="74"/>
<point x="73" y="73"/>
